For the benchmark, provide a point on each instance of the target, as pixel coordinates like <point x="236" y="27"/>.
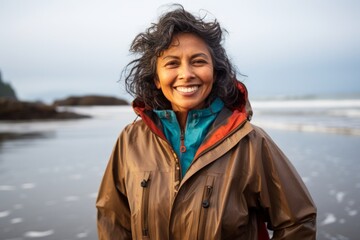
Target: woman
<point x="194" y="167"/>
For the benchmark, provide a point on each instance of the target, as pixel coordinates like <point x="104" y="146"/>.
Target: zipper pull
<point x="145" y="181"/>
<point x="206" y="202"/>
<point x="182" y="144"/>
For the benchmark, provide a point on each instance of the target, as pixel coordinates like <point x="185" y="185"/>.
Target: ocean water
<point x="327" y="116"/>
<point x="49" y="176"/>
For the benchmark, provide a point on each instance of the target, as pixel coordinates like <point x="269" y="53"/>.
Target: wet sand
<point x="49" y="182"/>
<point x="329" y="165"/>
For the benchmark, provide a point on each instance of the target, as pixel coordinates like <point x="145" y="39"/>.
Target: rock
<point x="6" y="90"/>
<point x="90" y="100"/>
<point x="11" y="109"/>
<point x="5" y="136"/>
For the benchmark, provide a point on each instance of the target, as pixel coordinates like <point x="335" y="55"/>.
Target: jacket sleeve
<point x="113" y="214"/>
<point x="288" y="206"/>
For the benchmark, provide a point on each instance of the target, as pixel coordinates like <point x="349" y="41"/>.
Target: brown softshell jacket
<point x="238" y="180"/>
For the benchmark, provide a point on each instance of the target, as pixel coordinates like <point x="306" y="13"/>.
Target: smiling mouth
<point x="189" y="89"/>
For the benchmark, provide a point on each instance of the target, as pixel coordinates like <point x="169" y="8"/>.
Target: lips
<point x="189" y="89"/>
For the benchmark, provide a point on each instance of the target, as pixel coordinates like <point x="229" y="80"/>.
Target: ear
<point x="157" y="82"/>
<point x="214" y="75"/>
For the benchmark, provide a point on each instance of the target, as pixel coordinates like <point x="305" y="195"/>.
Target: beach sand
<point x="49" y="181"/>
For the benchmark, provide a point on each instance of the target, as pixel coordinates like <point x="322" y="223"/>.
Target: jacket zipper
<point x="205" y="204"/>
<point x="182" y="141"/>
<point x="145" y="205"/>
<point x="177" y="173"/>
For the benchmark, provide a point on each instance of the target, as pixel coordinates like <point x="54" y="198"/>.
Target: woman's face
<point x="185" y="72"/>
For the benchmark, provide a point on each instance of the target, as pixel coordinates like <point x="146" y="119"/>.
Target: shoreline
<point x="336" y="121"/>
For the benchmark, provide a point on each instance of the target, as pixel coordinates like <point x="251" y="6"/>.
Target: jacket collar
<point x="224" y="125"/>
<point x="148" y="116"/>
<point x="214" y="107"/>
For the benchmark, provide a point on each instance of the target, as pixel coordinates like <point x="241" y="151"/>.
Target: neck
<point x="181" y="117"/>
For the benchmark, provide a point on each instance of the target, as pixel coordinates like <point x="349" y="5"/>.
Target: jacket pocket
<point x="205" y="205"/>
<point x="145" y="184"/>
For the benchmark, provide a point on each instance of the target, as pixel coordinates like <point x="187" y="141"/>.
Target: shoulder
<point x="259" y="136"/>
<point x="139" y="134"/>
<point x="135" y="129"/>
<point x="254" y="132"/>
<point x="135" y="126"/>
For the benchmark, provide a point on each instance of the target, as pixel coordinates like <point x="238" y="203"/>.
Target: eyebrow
<point x="193" y="56"/>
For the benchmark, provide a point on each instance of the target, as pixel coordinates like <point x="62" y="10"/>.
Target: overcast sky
<point x="51" y="49"/>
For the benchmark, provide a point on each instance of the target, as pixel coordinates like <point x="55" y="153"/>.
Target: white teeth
<point x="187" y="89"/>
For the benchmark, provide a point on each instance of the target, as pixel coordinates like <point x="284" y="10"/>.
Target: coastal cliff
<point x="90" y="100"/>
<point x="11" y="109"/>
<point x="6" y="90"/>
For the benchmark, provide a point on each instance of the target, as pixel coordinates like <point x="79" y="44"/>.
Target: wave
<point x="308" y="104"/>
<point x="301" y="127"/>
<point x="340" y="116"/>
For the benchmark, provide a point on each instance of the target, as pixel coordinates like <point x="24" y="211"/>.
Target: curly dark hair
<point x="140" y="74"/>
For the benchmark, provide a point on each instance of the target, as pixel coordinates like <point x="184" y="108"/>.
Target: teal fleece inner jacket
<point x="197" y="125"/>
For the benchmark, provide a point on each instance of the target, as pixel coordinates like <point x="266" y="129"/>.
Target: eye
<point x="171" y="64"/>
<point x="199" y="62"/>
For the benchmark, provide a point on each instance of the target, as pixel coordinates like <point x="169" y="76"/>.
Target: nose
<point x="186" y="72"/>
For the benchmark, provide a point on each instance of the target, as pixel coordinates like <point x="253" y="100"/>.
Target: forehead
<point x="187" y="41"/>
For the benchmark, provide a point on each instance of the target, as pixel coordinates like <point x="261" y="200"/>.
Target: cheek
<point x="209" y="76"/>
<point x="164" y="79"/>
